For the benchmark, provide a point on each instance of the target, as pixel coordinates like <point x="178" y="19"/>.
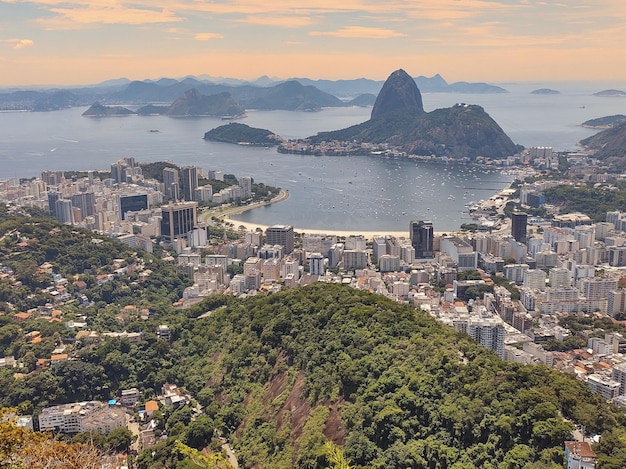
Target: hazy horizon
<point x="591" y="85"/>
<point x="78" y="42"/>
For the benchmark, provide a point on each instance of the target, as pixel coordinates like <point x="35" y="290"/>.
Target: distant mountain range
<point x="264" y="93"/>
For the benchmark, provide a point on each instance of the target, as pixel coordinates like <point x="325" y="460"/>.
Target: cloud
<point x="359" y="32"/>
<point x="19" y="43"/>
<point x="80" y="15"/>
<point x="207" y="36"/>
<point x="23" y="43"/>
<point x="278" y="21"/>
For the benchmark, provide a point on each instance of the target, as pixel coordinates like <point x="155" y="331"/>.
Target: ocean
<point x="334" y="193"/>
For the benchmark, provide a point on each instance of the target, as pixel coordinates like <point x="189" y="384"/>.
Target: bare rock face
<point x="398" y="93"/>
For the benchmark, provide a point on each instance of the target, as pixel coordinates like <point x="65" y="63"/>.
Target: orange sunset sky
<point x="71" y="42"/>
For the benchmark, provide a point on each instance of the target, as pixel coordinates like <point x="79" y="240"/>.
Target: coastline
<point x="226" y="214"/>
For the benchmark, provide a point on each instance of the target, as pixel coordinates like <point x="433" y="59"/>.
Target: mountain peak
<point x="398" y="92"/>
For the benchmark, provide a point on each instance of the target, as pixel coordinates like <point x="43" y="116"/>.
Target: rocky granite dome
<point x="398" y="93"/>
<point x="399" y="121"/>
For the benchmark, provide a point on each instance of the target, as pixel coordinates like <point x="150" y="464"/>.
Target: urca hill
<point x="398" y="119"/>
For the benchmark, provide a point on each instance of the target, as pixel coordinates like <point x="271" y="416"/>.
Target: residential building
<point x="82" y="417"/>
<point x="422" y="237"/>
<point x="489" y="333"/>
<point x="245" y="182"/>
<point x="460" y="252"/>
<point x="282" y="235"/>
<point x="171" y="184"/>
<point x="178" y="219"/>
<point x="519" y="222"/>
<point x="189" y="176"/>
<point x="605" y="387"/>
<point x="619" y="375"/>
<point x="579" y="455"/>
<point x="316" y="264"/>
<point x="616" y="302"/>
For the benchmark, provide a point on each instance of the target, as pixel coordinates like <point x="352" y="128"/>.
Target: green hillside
<point x="287" y="377"/>
<point x="283" y="374"/>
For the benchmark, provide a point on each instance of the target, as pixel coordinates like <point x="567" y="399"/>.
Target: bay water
<point x="335" y="193"/>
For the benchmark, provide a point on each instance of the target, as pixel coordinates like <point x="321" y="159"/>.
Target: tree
<point x="211" y="461"/>
<point x="120" y="439"/>
<point x="200" y="432"/>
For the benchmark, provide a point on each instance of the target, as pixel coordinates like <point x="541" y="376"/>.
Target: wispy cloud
<point x="19" y="43"/>
<point x="110" y="13"/>
<point x="207" y="36"/>
<point x="359" y="32"/>
<point x="278" y="21"/>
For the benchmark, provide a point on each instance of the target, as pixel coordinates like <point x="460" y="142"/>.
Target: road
<point x="225" y="212"/>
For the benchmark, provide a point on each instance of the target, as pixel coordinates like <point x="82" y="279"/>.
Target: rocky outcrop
<point x="399" y="121"/>
<point x="192" y="103"/>
<point x="100" y="110"/>
<point x="399" y="93"/>
<point x="609" y="146"/>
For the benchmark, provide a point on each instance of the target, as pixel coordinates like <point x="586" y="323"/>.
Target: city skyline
<point x="49" y="42"/>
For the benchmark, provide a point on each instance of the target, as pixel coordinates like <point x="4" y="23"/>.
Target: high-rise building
<point x="132" y="203"/>
<point x="170" y="183"/>
<point x="489" y="333"/>
<point x="86" y="202"/>
<point x="52" y="199"/>
<point x="597" y="288"/>
<point x="422" y="236"/>
<point x="178" y="220"/>
<point x="616" y="304"/>
<point x="189" y="176"/>
<point x="560" y="277"/>
<point x="64" y="212"/>
<point x="245" y="183"/>
<point x="316" y="266"/>
<point x="281" y="235"/>
<point x="52" y="178"/>
<point x="519" y="221"/>
<point x="118" y="171"/>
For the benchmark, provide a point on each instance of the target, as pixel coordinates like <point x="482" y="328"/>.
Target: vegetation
<point x="592" y="201"/>
<point x="242" y="133"/>
<point x="289" y="372"/>
<point x="155" y="170"/>
<point x="317" y="377"/>
<point x="21" y="448"/>
<point x="605" y="122"/>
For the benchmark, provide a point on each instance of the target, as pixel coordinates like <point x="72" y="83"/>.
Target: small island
<point x="100" y="110"/>
<point x="606" y="122"/>
<point x="611" y="93"/>
<point x="545" y="91"/>
<point x="243" y="134"/>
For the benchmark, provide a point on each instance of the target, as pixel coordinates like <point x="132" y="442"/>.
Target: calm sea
<point x="340" y="193"/>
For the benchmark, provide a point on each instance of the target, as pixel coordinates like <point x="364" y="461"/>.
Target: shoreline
<point x="227" y="213"/>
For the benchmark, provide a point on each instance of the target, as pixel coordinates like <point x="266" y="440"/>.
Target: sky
<point x="77" y="42"/>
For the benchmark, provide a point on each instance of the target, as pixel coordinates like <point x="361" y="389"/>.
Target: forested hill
<point x="288" y="372"/>
<point x="281" y="375"/>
